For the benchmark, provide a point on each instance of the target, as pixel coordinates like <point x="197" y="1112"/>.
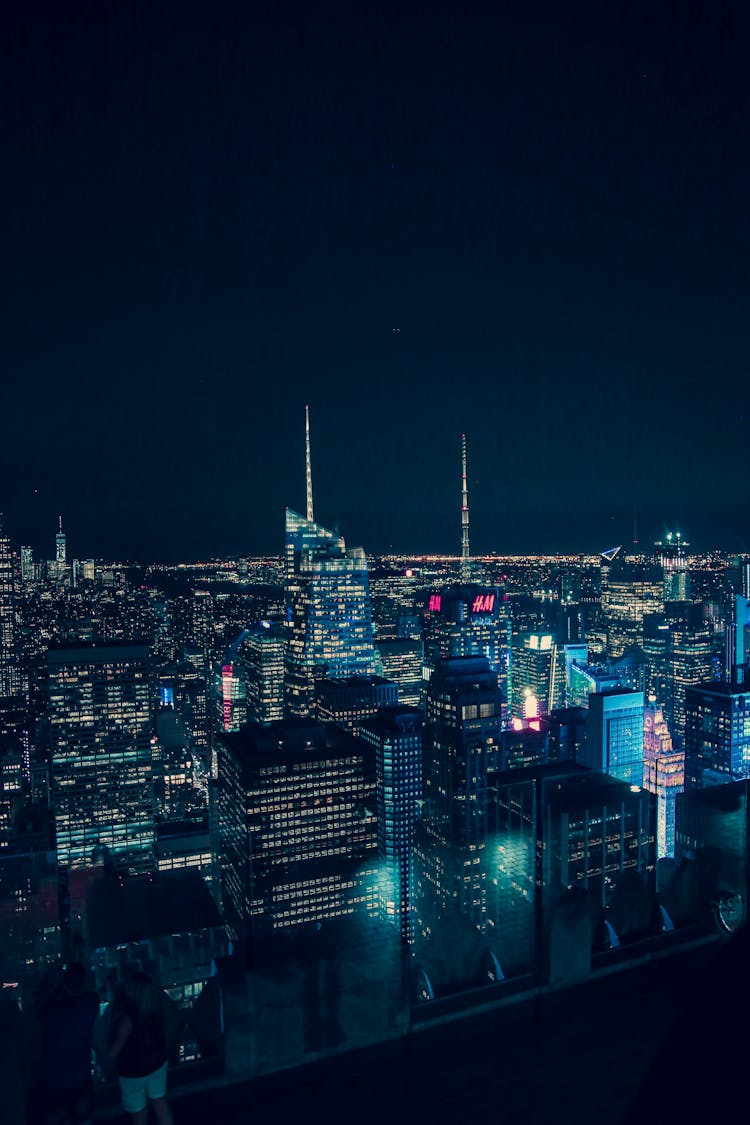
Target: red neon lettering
<point x="435" y="603"/>
<point x="483" y="603"/>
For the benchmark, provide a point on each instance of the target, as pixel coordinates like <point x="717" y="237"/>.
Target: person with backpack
<point x="138" y="1048"/>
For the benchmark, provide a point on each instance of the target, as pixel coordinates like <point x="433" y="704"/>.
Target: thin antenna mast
<point x="308" y="466"/>
<point x="464" y="512"/>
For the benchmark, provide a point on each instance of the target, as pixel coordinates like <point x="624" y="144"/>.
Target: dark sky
<point x="215" y="212"/>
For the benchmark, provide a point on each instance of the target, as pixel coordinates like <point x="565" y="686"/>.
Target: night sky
<point x="527" y="222"/>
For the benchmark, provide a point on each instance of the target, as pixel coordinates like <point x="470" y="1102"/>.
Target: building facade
<point x="101" y="757"/>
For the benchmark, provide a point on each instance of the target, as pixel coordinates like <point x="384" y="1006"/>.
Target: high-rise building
<point x="61" y="554"/>
<point x="630" y="589"/>
<point x="538" y="674"/>
<point x="297" y="826"/>
<point x="264" y="664"/>
<point x="671" y="553"/>
<point x="101" y="761"/>
<point x="466" y="619"/>
<point x="462" y="741"/>
<point x="328" y="611"/>
<point x="10" y="681"/>
<point x="596" y="828"/>
<point x="28" y="571"/>
<point x="230" y="695"/>
<point x="678" y="652"/>
<point x="400" y="660"/>
<point x="566" y="733"/>
<point x="396" y="735"/>
<point x="614" y="734"/>
<point x="349" y="702"/>
<point x="663" y="774"/>
<point x="717" y="732"/>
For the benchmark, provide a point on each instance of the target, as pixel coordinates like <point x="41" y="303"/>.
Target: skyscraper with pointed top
<point x="61" y="553"/>
<point x="327" y="597"/>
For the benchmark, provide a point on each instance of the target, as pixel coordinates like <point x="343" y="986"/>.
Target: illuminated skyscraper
<point x="401" y="660"/>
<point x="614" y="734"/>
<point x="678" y="649"/>
<point x="230" y="695"/>
<point x="349" y="702"/>
<point x="717" y="732"/>
<point x="328" y="611"/>
<point x="462" y="742"/>
<point x="672" y="555"/>
<point x="100" y="728"/>
<point x="28" y="573"/>
<point x="663" y="774"/>
<point x="327" y="597"/>
<point x="630" y="590"/>
<point x="466" y="619"/>
<point x="538" y="674"/>
<point x="9" y="673"/>
<point x="60" y="547"/>
<point x="297" y="827"/>
<point x="396" y="735"/>
<point x="264" y="661"/>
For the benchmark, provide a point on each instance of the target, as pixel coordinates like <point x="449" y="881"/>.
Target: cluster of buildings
<point x="436" y="748"/>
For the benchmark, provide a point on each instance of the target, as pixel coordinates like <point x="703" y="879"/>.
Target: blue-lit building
<point x="717" y="732"/>
<point x="329" y="624"/>
<point x="396" y="734"/>
<point x="614" y="735"/>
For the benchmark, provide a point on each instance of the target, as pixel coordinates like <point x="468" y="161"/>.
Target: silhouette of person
<point x="139" y="1048"/>
<point x="66" y="1022"/>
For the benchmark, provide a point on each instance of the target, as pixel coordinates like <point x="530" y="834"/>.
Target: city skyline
<point x="530" y="230"/>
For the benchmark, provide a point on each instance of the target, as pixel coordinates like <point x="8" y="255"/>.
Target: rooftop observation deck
<point x="645" y="1038"/>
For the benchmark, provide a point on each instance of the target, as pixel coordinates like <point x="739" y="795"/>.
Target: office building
<point x="671" y="552"/>
<point x="264" y="666"/>
<point x="596" y="828"/>
<point x="329" y="628"/>
<point x="101" y="757"/>
<point x="539" y="668"/>
<point x="297" y="826"/>
<point x="462" y="743"/>
<point x="614" y="734"/>
<point x="467" y="619"/>
<point x="678" y="651"/>
<point x="230" y="694"/>
<point x="28" y="570"/>
<point x="566" y="733"/>
<point x="717" y="732"/>
<point x="348" y="702"/>
<point x="396" y="735"/>
<point x="400" y="660"/>
<point x="630" y="590"/>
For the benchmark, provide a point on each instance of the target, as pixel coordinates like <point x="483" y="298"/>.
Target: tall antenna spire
<point x="464" y="512"/>
<point x="308" y="466"/>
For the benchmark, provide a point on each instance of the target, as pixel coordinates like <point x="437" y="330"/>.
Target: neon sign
<point x="435" y="600"/>
<point x="483" y="603"/>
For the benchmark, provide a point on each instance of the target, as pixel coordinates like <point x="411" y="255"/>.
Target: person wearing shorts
<point x="139" y="1048"/>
